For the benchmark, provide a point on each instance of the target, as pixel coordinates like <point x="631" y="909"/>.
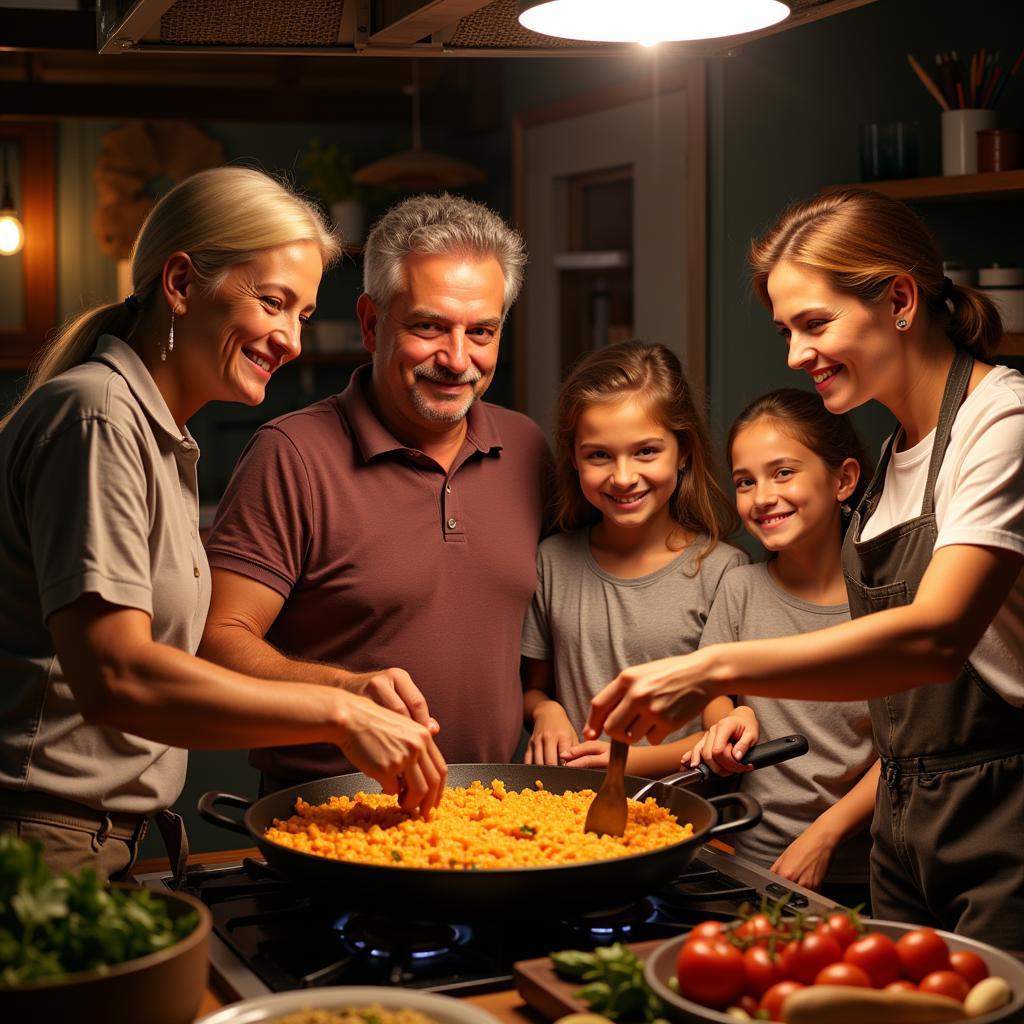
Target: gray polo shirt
<point x="99" y="496"/>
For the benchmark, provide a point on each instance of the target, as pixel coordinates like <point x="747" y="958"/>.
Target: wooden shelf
<point x="996" y="185"/>
<point x="1012" y="345"/>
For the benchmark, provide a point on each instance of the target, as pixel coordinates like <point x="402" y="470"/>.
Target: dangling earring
<point x="846" y="510"/>
<point x="901" y="324"/>
<point x="169" y="345"/>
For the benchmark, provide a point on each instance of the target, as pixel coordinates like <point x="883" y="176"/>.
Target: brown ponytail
<point x="861" y="240"/>
<point x="974" y="323"/>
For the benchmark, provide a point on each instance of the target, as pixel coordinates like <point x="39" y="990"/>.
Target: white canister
<point x="1005" y="287"/>
<point x="960" y="138"/>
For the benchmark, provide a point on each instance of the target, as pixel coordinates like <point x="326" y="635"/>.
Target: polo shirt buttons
<point x="452" y="524"/>
<point x="447" y="488"/>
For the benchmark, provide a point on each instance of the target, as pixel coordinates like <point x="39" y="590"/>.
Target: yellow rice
<point x="375" y="1014"/>
<point x="475" y="827"/>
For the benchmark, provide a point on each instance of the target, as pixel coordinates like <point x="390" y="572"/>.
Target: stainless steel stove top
<point x="269" y="938"/>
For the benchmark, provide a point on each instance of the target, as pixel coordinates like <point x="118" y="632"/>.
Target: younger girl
<point x="797" y="471"/>
<point x="633" y="576"/>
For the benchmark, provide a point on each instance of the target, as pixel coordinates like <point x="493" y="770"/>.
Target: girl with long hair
<point x="797" y="471"/>
<point x="635" y="570"/>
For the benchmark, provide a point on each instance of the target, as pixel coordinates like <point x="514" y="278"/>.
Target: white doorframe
<point x="659" y="128"/>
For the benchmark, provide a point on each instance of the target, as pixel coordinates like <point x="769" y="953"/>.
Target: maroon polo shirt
<point x="385" y="560"/>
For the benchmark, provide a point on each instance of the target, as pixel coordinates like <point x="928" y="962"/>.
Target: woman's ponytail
<point x="974" y="323"/>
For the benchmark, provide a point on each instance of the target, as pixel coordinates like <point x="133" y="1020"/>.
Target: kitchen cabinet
<point x="947" y="199"/>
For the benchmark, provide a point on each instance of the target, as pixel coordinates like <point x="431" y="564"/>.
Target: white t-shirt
<point x="979" y="499"/>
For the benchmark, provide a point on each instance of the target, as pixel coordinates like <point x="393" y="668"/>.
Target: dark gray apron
<point x="948" y="828"/>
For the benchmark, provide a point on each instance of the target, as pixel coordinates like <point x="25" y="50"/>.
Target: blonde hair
<point x="860" y="240"/>
<point x="654" y="375"/>
<point x="221" y="217"/>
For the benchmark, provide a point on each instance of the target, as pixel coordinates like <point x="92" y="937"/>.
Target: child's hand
<point x="725" y="743"/>
<point x="588" y="754"/>
<point x="806" y="859"/>
<point x="553" y="736"/>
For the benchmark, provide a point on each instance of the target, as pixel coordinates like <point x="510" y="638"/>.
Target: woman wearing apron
<point x="932" y="561"/>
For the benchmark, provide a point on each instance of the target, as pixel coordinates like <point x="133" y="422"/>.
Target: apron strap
<point x="172" y="831"/>
<point x="952" y="398"/>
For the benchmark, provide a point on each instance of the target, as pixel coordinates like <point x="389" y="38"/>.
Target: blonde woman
<point x="932" y="560"/>
<point x="106" y="585"/>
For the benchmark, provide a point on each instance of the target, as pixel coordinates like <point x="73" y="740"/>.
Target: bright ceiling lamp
<point x="12" y="234"/>
<point x="648" y="21"/>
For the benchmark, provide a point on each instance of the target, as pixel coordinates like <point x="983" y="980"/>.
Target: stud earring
<point x="901" y="324"/>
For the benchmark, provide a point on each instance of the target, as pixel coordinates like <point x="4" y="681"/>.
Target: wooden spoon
<point x="608" y="811"/>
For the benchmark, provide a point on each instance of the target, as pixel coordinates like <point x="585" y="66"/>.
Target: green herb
<point x="527" y="830"/>
<point x="614" y="982"/>
<point x="396" y="855"/>
<point x="52" y="925"/>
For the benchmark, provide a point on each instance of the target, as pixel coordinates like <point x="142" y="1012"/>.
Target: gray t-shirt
<point x="592" y="625"/>
<point x="98" y="496"/>
<point x="750" y="605"/>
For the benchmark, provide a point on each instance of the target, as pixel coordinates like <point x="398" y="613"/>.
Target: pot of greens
<point x="73" y="949"/>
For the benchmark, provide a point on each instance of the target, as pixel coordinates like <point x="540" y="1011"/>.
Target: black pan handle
<point x="207" y="803"/>
<point x="750" y="817"/>
<point x="762" y="756"/>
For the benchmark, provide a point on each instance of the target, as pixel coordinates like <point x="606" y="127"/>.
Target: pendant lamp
<point x="648" y="21"/>
<point x="12" y="233"/>
<point x="417" y="169"/>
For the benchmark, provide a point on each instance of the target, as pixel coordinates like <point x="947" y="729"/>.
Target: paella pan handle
<point x="762" y="756"/>
<point x="207" y="811"/>
<point x="748" y="819"/>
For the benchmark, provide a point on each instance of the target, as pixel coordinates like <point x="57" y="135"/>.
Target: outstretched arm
<point x="124" y="679"/>
<point x="925" y="642"/>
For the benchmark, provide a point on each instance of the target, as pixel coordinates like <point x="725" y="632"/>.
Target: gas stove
<point x="269" y="937"/>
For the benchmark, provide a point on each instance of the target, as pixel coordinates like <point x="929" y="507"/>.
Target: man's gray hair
<point x="439" y="225"/>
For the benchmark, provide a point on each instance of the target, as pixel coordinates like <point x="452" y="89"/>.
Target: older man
<point x="395" y="524"/>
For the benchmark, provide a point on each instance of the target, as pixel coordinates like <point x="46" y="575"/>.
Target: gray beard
<point x="458" y="408"/>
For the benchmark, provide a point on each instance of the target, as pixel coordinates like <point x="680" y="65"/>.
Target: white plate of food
<point x="351" y="1004"/>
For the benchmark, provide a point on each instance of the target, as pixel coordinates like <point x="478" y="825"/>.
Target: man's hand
<point x="397" y="751"/>
<point x="393" y="688"/>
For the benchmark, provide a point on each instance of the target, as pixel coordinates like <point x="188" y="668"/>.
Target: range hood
<point x="465" y="28"/>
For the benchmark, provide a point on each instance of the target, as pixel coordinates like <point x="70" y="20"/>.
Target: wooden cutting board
<point x="552" y="996"/>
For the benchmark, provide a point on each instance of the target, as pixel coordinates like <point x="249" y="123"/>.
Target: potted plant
<point x="329" y="174"/>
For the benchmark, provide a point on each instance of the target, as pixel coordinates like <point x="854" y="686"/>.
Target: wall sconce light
<point x="648" y="21"/>
<point x="12" y="232"/>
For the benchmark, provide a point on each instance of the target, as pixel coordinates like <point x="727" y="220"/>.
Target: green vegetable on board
<point x="613" y="982"/>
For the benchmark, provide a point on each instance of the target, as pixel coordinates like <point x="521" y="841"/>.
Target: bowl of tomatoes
<point x="844" y="967"/>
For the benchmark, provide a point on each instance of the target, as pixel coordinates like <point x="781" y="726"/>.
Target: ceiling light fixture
<point x="648" y="21"/>
<point x="12" y="233"/>
<point x="418" y="169"/>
